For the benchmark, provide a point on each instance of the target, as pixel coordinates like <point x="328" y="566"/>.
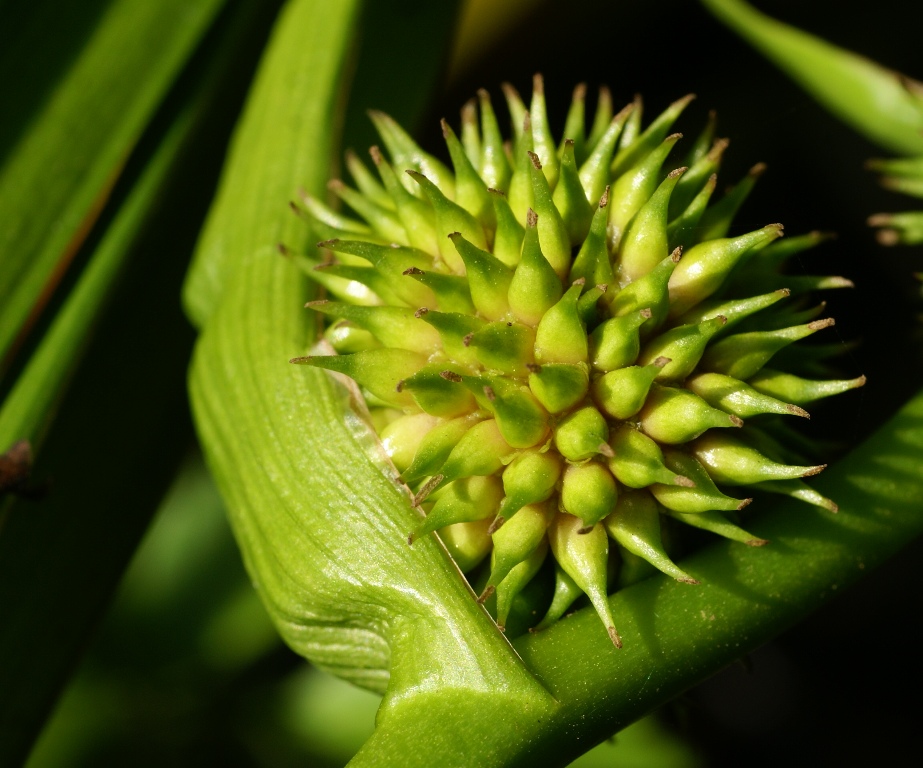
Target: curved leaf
<point x="322" y="529"/>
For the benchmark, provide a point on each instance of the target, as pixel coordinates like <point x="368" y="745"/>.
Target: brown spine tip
<point x="427" y="489"/>
<point x="819" y="325"/>
<point x="537" y="164"/>
<point x="811" y="471"/>
<point x="683" y="481"/>
<point x="662" y="362"/>
<point x="683" y="101"/>
<point x="758" y="170"/>
<point x="689" y="580"/>
<point x="736" y="421"/>
<point x="677" y="254"/>
<point x="399" y="387"/>
<point x="569" y="143"/>
<point x="483" y="94"/>
<point x="604" y="200"/>
<point x="579" y="281"/>
<point x="489" y="393"/>
<point x="496" y="525"/>
<point x="879" y="219"/>
<point x="466" y="339"/>
<point x="859" y="382"/>
<point x="335" y="185"/>
<point x="614" y="637"/>
<point x="623" y="113"/>
<point x="488" y="591"/>
<point x="717" y="149"/>
<point x="585" y="530"/>
<point x="743" y="503"/>
<point x="579" y="92"/>
<point x="606" y="450"/>
<point x="673" y="137"/>
<point x="413" y="271"/>
<point x="331" y="243"/>
<point x="538" y="83"/>
<point x="420" y="312"/>
<point x="756" y="542"/>
<point x="603" y="287"/>
<point x="675" y="174"/>
<point x="531" y="218"/>
<point x="283" y="249"/>
<point x="786" y="292"/>
<point x="318" y="303"/>
<point x="301" y="360"/>
<point x="445" y="128"/>
<point x="796" y="411"/>
<point x="451" y="376"/>
<point x="508" y="90"/>
<point x="533" y="368"/>
<point x="411" y="538"/>
<point x="496" y="192"/>
<point x="645" y="313"/>
<point x="376" y="155"/>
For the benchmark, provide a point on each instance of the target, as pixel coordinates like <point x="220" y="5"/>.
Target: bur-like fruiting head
<point x="564" y="344"/>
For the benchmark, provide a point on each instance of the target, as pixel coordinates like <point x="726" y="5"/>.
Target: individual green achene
<point x="559" y="343"/>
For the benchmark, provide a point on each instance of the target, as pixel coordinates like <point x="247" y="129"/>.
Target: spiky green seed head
<point x="562" y="340"/>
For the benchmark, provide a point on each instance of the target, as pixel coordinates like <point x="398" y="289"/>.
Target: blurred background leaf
<point x="122" y="424"/>
<point x="81" y="80"/>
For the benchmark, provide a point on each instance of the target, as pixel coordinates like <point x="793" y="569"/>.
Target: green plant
<point x="558" y="369"/>
<point x="346" y="591"/>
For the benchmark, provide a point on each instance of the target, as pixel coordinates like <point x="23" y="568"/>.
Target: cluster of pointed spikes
<point x="560" y="344"/>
